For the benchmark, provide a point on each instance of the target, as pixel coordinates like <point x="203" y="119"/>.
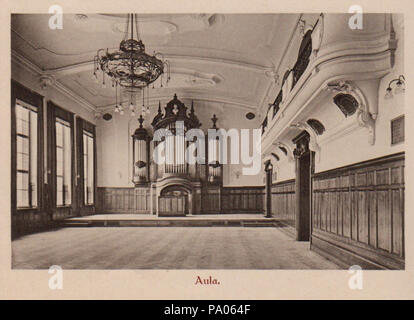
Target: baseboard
<point x="346" y="256"/>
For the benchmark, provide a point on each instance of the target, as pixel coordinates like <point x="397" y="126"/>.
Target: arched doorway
<point x="174" y="200"/>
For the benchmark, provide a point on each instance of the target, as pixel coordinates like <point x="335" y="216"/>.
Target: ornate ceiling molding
<point x="48" y="80"/>
<point x="274" y="72"/>
<point x="223" y="102"/>
<point x="88" y="65"/>
<point x="364" y="117"/>
<point x="313" y="141"/>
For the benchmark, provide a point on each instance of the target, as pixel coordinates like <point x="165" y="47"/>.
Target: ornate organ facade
<point x="172" y="163"/>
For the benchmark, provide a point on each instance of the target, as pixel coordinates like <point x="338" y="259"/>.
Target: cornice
<point x="153" y="101"/>
<point x="320" y="69"/>
<point x="35" y="70"/>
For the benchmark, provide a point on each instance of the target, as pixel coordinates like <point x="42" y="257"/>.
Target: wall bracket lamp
<point x="397" y="89"/>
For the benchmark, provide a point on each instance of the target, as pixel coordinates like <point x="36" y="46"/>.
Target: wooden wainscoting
<point x="284" y="201"/>
<point x="124" y="200"/>
<point x="242" y="200"/>
<point x="210" y="200"/>
<point x="358" y="213"/>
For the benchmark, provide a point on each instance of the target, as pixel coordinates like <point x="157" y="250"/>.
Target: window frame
<point x="90" y="135"/>
<point x="33" y="100"/>
<point x="55" y="112"/>
<point x="66" y="124"/>
<point x="81" y="126"/>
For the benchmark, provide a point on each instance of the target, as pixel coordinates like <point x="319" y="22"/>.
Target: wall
<point x="343" y="134"/>
<point x="114" y="146"/>
<point x="30" y="221"/>
<point x="212" y="200"/>
<point x="242" y="200"/>
<point x="358" y="210"/>
<point x="284" y="202"/>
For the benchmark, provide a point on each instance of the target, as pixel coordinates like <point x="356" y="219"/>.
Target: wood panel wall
<point x="284" y="201"/>
<point x="125" y="200"/>
<point x="358" y="210"/>
<point x="209" y="201"/>
<point x="242" y="200"/>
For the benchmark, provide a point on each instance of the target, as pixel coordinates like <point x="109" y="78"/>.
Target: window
<point x="63" y="163"/>
<point x="346" y="103"/>
<point x="397" y="130"/>
<point x="88" y="168"/>
<point x="26" y="155"/>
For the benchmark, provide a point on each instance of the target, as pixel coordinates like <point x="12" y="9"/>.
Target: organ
<point x="161" y="163"/>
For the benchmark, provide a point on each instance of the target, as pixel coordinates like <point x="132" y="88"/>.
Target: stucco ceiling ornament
<point x="317" y="35"/>
<point x="364" y="117"/>
<point x="46" y="81"/>
<point x="273" y="75"/>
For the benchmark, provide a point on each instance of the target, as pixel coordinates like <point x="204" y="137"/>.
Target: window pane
<point x="63" y="163"/>
<point x="22" y="120"/>
<point x="22" y="186"/>
<point x="85" y="177"/>
<point x="59" y="189"/>
<point x="67" y="165"/>
<point x="90" y="170"/>
<point x="26" y="155"/>
<point x="88" y="166"/>
<point x="59" y="161"/>
<point x="59" y="134"/>
<point x="33" y="157"/>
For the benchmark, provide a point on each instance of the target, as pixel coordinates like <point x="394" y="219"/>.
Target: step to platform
<point x="181" y="222"/>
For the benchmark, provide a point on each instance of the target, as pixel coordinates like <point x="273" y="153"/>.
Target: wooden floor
<point x="165" y="248"/>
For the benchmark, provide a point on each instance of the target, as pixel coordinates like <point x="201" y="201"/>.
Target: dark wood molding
<point x="359" y="209"/>
<point x="24" y="94"/>
<point x="54" y="111"/>
<point x="362" y="164"/>
<point x="81" y="125"/>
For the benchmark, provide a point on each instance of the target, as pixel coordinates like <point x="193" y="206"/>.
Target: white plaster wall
<point x="114" y="143"/>
<point x="354" y="146"/>
<point x="351" y="144"/>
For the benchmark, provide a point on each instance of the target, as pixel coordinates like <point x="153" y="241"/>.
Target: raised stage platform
<point x="142" y="220"/>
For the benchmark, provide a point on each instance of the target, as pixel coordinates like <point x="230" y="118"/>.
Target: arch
<point x="357" y="97"/>
<point x="346" y="103"/>
<point x="283" y="149"/>
<point x="286" y="149"/>
<point x="313" y="141"/>
<point x="316" y="126"/>
<point x="275" y="156"/>
<point x="175" y="188"/>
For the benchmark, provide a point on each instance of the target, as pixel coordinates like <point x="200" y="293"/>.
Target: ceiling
<point x="218" y="60"/>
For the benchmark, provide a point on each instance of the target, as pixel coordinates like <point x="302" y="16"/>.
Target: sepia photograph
<point x="207" y="141"/>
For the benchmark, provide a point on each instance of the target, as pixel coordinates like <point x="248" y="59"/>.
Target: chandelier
<point x="130" y="67"/>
